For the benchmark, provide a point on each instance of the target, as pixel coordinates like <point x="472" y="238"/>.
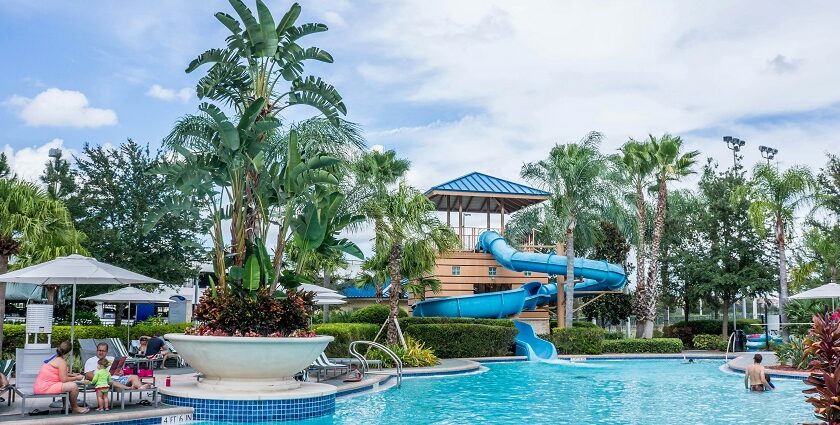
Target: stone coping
<point x="94" y="417"/>
<point x="192" y="390"/>
<point x="378" y="379"/>
<point x="740" y="363"/>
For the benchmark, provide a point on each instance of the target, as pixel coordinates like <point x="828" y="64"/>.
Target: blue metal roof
<point x="367" y="291"/>
<point x="482" y="183"/>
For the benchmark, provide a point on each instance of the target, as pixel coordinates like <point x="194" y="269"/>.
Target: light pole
<point x="734" y="144"/>
<point x="767" y="153"/>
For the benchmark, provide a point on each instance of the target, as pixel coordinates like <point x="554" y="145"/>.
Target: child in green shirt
<point x="102" y="382"/>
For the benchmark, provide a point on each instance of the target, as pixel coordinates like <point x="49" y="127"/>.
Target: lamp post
<point x="734" y="144"/>
<point x="767" y="153"/>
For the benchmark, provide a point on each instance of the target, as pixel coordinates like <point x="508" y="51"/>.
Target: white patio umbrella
<point x="326" y="299"/>
<point x="129" y="295"/>
<point x="829" y="290"/>
<point x="75" y="270"/>
<point x="308" y="287"/>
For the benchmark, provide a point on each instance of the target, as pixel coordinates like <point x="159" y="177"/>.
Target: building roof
<point x="478" y="192"/>
<point x="367" y="291"/>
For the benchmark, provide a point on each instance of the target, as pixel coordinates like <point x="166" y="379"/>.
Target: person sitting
<point x="755" y="377"/>
<point x="154" y="348"/>
<point x="102" y="383"/>
<point x="54" y="377"/>
<point x="354" y="375"/>
<point x="119" y="380"/>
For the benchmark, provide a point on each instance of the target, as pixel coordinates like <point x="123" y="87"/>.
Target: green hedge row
<point x="344" y="334"/>
<point x="14" y="336"/>
<point x="452" y="340"/>
<point x="655" y="345"/>
<point x="578" y="340"/>
<point x="374" y="313"/>
<point x="709" y="342"/>
<point x="410" y="321"/>
<point x="686" y="332"/>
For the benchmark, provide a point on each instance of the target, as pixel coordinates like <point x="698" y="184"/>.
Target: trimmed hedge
<point x="614" y="335"/>
<point x="578" y="340"/>
<point x="706" y="327"/>
<point x="453" y="340"/>
<point x="374" y="313"/>
<point x="344" y="334"/>
<point x="584" y="324"/>
<point x="708" y="342"/>
<point x="655" y="345"/>
<point x="14" y="336"/>
<point x="409" y="321"/>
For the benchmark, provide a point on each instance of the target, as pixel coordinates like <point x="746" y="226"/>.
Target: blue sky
<point x="453" y="86"/>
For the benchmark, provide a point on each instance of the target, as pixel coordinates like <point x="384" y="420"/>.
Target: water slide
<point x="597" y="276"/>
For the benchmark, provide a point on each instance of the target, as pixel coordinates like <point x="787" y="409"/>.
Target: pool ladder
<point x="365" y="367"/>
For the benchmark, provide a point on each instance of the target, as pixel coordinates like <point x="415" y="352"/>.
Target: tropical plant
<point x="414" y="354"/>
<point x="823" y="344"/>
<point x="669" y="164"/>
<point x="29" y="222"/>
<point x="5" y="169"/>
<point x="793" y="353"/>
<point x="578" y="176"/>
<point x="408" y="240"/>
<point x="637" y="167"/>
<point x="774" y="198"/>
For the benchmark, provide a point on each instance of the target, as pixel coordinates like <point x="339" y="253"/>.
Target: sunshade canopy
<point x="308" y="287"/>
<point x="829" y="290"/>
<point x="129" y="295"/>
<point x="75" y="269"/>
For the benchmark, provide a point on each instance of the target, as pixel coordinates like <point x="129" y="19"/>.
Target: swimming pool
<point x="596" y="392"/>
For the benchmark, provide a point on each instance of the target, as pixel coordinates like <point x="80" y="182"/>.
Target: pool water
<point x="595" y="392"/>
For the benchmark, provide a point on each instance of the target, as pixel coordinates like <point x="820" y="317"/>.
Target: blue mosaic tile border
<point x="255" y="410"/>
<point x="145" y="421"/>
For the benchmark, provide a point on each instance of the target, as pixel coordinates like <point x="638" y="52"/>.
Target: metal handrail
<point x="729" y="343"/>
<point x="384" y="349"/>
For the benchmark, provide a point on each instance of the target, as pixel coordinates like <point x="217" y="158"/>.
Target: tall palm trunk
<point x="4" y="267"/>
<point x="783" y="284"/>
<point x="725" y="329"/>
<point x="641" y="225"/>
<point x="394" y="265"/>
<point x="569" y="286"/>
<point x="650" y="291"/>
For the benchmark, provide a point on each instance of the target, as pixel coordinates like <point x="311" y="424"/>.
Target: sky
<point x="454" y="86"/>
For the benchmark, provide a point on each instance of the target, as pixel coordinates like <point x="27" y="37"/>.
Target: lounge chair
<point x="377" y="364"/>
<point x="116" y="348"/>
<point x="171" y="349"/>
<point x="120" y="394"/>
<point x="28" y="362"/>
<point x="323" y="364"/>
<point x="6" y="368"/>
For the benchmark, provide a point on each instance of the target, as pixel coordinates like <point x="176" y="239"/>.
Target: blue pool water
<point x="595" y="392"/>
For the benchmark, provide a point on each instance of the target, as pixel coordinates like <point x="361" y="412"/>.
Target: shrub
<point x="614" y="335"/>
<point x="374" y="313"/>
<point x="709" y="327"/>
<point x="793" y="353"/>
<point x="14" y="336"/>
<point x="409" y="321"/>
<point x="708" y="342"/>
<point x="578" y="340"/>
<point x="415" y="354"/>
<point x="452" y="340"/>
<point x="584" y="324"/>
<point x="658" y="333"/>
<point x="259" y="312"/>
<point x="655" y="345"/>
<point x="344" y="334"/>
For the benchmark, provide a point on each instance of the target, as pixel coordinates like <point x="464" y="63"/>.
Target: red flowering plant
<point x="823" y="343"/>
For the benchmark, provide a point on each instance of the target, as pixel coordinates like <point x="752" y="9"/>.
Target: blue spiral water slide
<point x="597" y="276"/>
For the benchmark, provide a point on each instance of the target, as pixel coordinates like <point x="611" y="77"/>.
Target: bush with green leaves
<point x="584" y="324"/>
<point x="454" y="340"/>
<point x="15" y="335"/>
<point x="709" y="342"/>
<point x="374" y="313"/>
<point x="614" y="335"/>
<point x="344" y="334"/>
<point x="340" y="316"/>
<point x="410" y="321"/>
<point x="638" y="345"/>
<point x="578" y="340"/>
<point x="686" y="332"/>
<point x="792" y="353"/>
<point x="414" y="354"/>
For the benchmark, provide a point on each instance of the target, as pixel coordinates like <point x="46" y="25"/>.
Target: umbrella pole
<point x="73" y="325"/>
<point x="128" y="332"/>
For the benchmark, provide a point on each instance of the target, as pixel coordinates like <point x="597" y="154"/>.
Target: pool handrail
<point x="365" y="368"/>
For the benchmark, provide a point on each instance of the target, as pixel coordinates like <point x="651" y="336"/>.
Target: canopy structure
<point x="829" y="290"/>
<point x="75" y="270"/>
<point x="129" y="295"/>
<point x="24" y="292"/>
<point x="309" y="287"/>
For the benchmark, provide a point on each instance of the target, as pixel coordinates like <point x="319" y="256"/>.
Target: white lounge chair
<point x="28" y="362"/>
<point x="323" y="364"/>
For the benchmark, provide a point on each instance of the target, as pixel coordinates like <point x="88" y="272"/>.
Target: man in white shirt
<point x="118" y="379"/>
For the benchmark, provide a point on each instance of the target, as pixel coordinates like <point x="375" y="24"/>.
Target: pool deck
<point x="387" y="377"/>
<point x="740" y="363"/>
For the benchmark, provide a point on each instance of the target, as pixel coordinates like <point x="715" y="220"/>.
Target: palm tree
<point x="636" y="162"/>
<point x="29" y="223"/>
<point x="579" y="178"/>
<point x="5" y="169"/>
<point x="774" y="197"/>
<point x="408" y="240"/>
<point x="669" y="164"/>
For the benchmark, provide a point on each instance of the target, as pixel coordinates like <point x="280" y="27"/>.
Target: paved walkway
<point x="740" y="363"/>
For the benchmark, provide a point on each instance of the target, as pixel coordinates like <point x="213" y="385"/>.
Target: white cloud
<point x="61" y="108"/>
<point x="169" y="95"/>
<point x="29" y="162"/>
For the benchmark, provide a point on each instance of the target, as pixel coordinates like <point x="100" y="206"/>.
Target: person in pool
<point x="755" y="378"/>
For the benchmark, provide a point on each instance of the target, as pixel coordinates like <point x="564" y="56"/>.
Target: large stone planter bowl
<point x="243" y="364"/>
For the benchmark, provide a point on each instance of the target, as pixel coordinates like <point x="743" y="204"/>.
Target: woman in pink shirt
<point x="54" y="378"/>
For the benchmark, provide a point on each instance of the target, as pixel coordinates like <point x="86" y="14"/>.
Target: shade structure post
<point x="128" y="332"/>
<point x="73" y="325"/>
